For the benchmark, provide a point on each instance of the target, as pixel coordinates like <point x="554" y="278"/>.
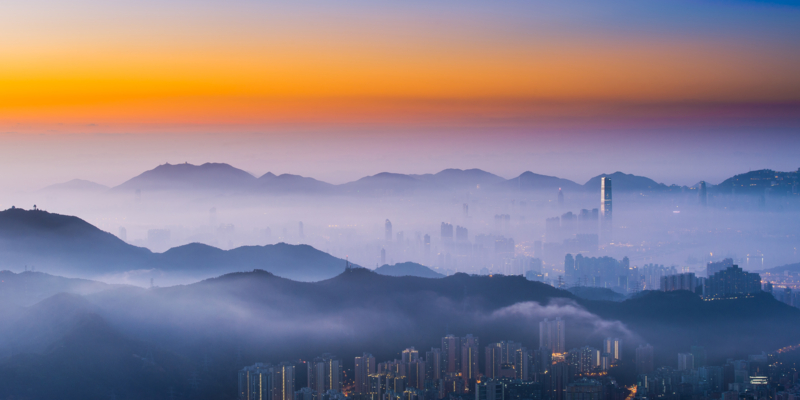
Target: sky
<point x="676" y="90"/>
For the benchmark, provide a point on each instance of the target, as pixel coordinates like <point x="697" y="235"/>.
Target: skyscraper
<point x="685" y="361"/>
<point x="283" y="382"/>
<point x="365" y="366"/>
<point x="326" y="374"/>
<point x="644" y="359"/>
<point x="388" y="231"/>
<point x="560" y="197"/>
<point x="410" y="355"/>
<point x="702" y="194"/>
<point x="469" y="357"/>
<point x="451" y="353"/>
<point x="612" y="346"/>
<point x="552" y="335"/>
<point x="383" y="256"/>
<point x="605" y="209"/>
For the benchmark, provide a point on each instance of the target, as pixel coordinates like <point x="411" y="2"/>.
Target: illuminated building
<point x="364" y="367"/>
<point x="451" y="353"/>
<point x="605" y="209"/>
<point x="469" y="357"/>
<point x="326" y="374"/>
<point x="613" y="346"/>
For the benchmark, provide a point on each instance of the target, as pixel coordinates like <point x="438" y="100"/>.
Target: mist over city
<point x="410" y="201"/>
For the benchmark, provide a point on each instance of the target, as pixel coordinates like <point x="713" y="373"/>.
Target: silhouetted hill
<point x="408" y="269"/>
<point x="530" y="181"/>
<point x="385" y="183"/>
<point x="76" y="185"/>
<point x="626" y="183"/>
<point x="263" y="317"/>
<point x="462" y="179"/>
<point x="66" y="244"/>
<point x="795" y="268"/>
<point x="189" y="177"/>
<point x="299" y="262"/>
<point x="675" y="320"/>
<point x="92" y="360"/>
<point x="26" y="288"/>
<point x="596" y="293"/>
<point x="71" y="246"/>
<point x="759" y="182"/>
<point x="287" y="183"/>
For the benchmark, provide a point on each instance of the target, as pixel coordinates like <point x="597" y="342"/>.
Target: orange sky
<point x="126" y="67"/>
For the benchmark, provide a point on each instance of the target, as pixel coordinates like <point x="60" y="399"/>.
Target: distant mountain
<point x="287" y="183"/>
<point x="530" y="181"/>
<point x="408" y="269"/>
<point x="621" y="182"/>
<point x="206" y="177"/>
<point x="386" y="183"/>
<point x="298" y="262"/>
<point x="77" y="185"/>
<point x="760" y="182"/>
<point x="70" y="246"/>
<point x="458" y="178"/>
<point x="64" y="244"/>
<point x="27" y="288"/>
<point x="795" y="268"/>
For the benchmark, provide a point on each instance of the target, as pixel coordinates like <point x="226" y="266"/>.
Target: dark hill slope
<point x="70" y="246"/>
<point x="62" y="243"/>
<point x="408" y="269"/>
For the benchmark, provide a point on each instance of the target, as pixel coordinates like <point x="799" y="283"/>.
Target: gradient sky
<point x="474" y="83"/>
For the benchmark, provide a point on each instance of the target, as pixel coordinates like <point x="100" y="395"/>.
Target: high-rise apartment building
<point x="470" y="357"/>
<point x="451" y="353"/>
<point x="613" y="347"/>
<point x="326" y="374"/>
<point x="685" y="361"/>
<point x="364" y="367"/>
<point x="552" y="335"/>
<point x="644" y="359"/>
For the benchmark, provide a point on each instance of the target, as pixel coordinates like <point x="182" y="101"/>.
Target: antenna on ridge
<point x="347" y="266"/>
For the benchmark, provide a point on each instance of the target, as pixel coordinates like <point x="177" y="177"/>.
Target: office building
<point x="605" y="209"/>
<point x="388" y="227"/>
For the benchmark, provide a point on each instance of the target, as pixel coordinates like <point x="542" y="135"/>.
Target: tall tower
<point x="388" y="231"/>
<point x="702" y="193"/>
<point x="560" y="197"/>
<point x="605" y="209"/>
